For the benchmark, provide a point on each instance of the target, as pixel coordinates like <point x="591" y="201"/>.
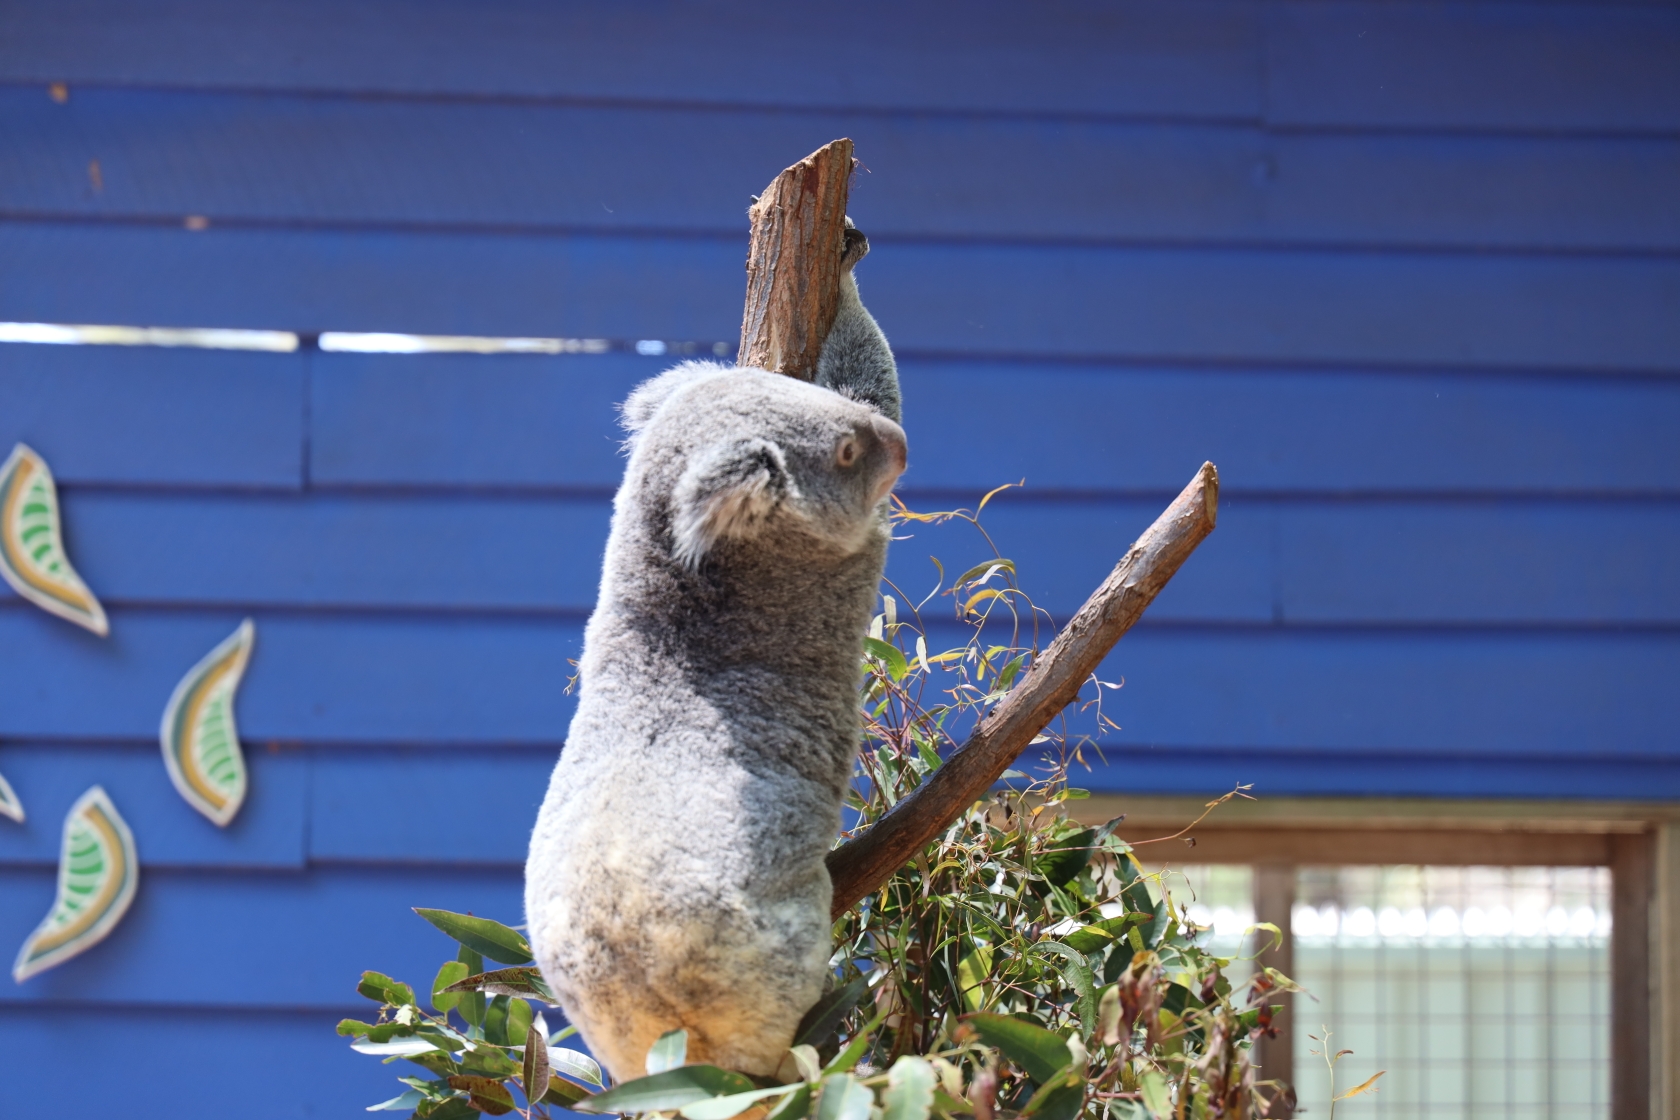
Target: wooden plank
<point x="294" y="159"/>
<point x="1600" y="67"/>
<point x="499" y="791"/>
<point x="268" y="833"/>
<point x="1581" y="562"/>
<point x="466" y="420"/>
<point x="1291" y="847"/>
<point x="1602" y="314"/>
<point x="1275" y="773"/>
<point x="1666" y="951"/>
<point x="335" y="677"/>
<point x="1438" y="694"/>
<point x="493" y="552"/>
<point x="1632" y="1024"/>
<point x="50" y="1042"/>
<point x="214" y="940"/>
<point x="147" y="416"/>
<point x="1083" y="57"/>
<point x="506" y="420"/>
<point x="1446" y="698"/>
<point x="1403" y="814"/>
<point x="1274" y="903"/>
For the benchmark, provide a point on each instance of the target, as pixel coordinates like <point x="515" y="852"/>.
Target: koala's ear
<point x="644" y="401"/>
<point x="729" y="492"/>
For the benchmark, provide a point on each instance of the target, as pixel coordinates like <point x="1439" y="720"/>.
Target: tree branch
<point x="1052" y="683"/>
<point x="793" y="263"/>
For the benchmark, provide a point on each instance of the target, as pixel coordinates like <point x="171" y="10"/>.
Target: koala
<point x="675" y="876"/>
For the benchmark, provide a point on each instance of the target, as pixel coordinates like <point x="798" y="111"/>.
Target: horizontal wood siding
<point x="1409" y="272"/>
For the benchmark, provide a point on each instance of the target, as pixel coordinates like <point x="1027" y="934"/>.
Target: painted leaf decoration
<point x="98" y="871"/>
<point x="32" y="554"/>
<point x="10" y="806"/>
<point x="199" y="735"/>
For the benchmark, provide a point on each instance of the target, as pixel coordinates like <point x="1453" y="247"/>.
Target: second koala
<point x="676" y="877"/>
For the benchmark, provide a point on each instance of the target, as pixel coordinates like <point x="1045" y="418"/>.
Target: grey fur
<point x="676" y="873"/>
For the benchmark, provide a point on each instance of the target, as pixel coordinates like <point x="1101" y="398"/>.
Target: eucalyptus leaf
<point x="823" y="1019"/>
<point x="1040" y="1053"/>
<point x="525" y="982"/>
<point x="1156" y="1098"/>
<point x="722" y="1108"/>
<point x="794" y="1106"/>
<point x="396" y="1047"/>
<point x="1070" y="857"/>
<point x="492" y="939"/>
<point x="443" y="998"/>
<point x="668" y="1051"/>
<point x="564" y="1093"/>
<point x="495" y="1021"/>
<point x="381" y="989"/>
<point x="1076" y="970"/>
<point x="574" y="1064"/>
<point x="534" y="1072"/>
<point x="485" y="1094"/>
<point x="408" y="1100"/>
<point x="909" y="1094"/>
<point x="844" y="1099"/>
<point x="888" y="655"/>
<point x="672" y="1089"/>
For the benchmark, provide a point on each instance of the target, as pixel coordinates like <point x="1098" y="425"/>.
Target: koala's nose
<point x="892" y="438"/>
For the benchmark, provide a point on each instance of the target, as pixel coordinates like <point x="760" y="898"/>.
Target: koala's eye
<point x="847" y="452"/>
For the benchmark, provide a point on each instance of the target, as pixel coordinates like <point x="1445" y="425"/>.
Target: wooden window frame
<point x="1639" y="843"/>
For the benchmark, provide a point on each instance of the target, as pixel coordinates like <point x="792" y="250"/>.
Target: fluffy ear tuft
<point x="728" y="493"/>
<point x="639" y="408"/>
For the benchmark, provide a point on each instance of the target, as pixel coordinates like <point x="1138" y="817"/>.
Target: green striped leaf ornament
<point x="10" y="806"/>
<point x="98" y="872"/>
<point x="32" y="557"/>
<point x="199" y="736"/>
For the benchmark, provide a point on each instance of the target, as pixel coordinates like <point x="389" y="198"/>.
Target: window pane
<point x="1483" y="991"/>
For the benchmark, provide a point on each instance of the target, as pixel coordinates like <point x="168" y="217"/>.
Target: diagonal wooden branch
<point x="1052" y="683"/>
<point x="793" y="263"/>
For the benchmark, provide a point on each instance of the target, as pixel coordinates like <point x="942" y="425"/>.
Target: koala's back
<point x="676" y="876"/>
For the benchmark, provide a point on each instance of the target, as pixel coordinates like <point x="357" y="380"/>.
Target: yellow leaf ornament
<point x="10" y="806"/>
<point x="98" y="871"/>
<point x="200" y="738"/>
<point x="32" y="554"/>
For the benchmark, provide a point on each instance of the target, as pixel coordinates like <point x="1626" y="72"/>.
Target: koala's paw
<point x="856" y="248"/>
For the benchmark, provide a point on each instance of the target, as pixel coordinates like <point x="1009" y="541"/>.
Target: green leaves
<point x="534" y="1069"/>
<point x="820" y="1023"/>
<point x="484" y="1094"/>
<point x="574" y="1064"/>
<point x="1067" y="858"/>
<point x="889" y="655"/>
<point x="443" y="996"/>
<point x="909" y="1094"/>
<point x="525" y="982"/>
<point x="668" y="1052"/>
<point x="1037" y="1051"/>
<point x="481" y="935"/>
<point x="844" y="1099"/>
<point x="722" y="1108"/>
<point x="672" y="1089"/>
<point x="383" y="990"/>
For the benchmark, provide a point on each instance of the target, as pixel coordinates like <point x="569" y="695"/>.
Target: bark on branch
<point x="793" y="263"/>
<point x="1052" y="683"/>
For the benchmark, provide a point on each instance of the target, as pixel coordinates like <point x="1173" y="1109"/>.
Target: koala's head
<point x="742" y="454"/>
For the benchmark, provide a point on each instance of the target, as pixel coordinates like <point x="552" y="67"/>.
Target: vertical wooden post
<point x="1667" y="901"/>
<point x="1631" y="1021"/>
<point x="1274" y="902"/>
<point x="793" y="263"/>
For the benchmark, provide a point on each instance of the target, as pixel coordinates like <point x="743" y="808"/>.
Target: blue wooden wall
<point x="1408" y="272"/>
